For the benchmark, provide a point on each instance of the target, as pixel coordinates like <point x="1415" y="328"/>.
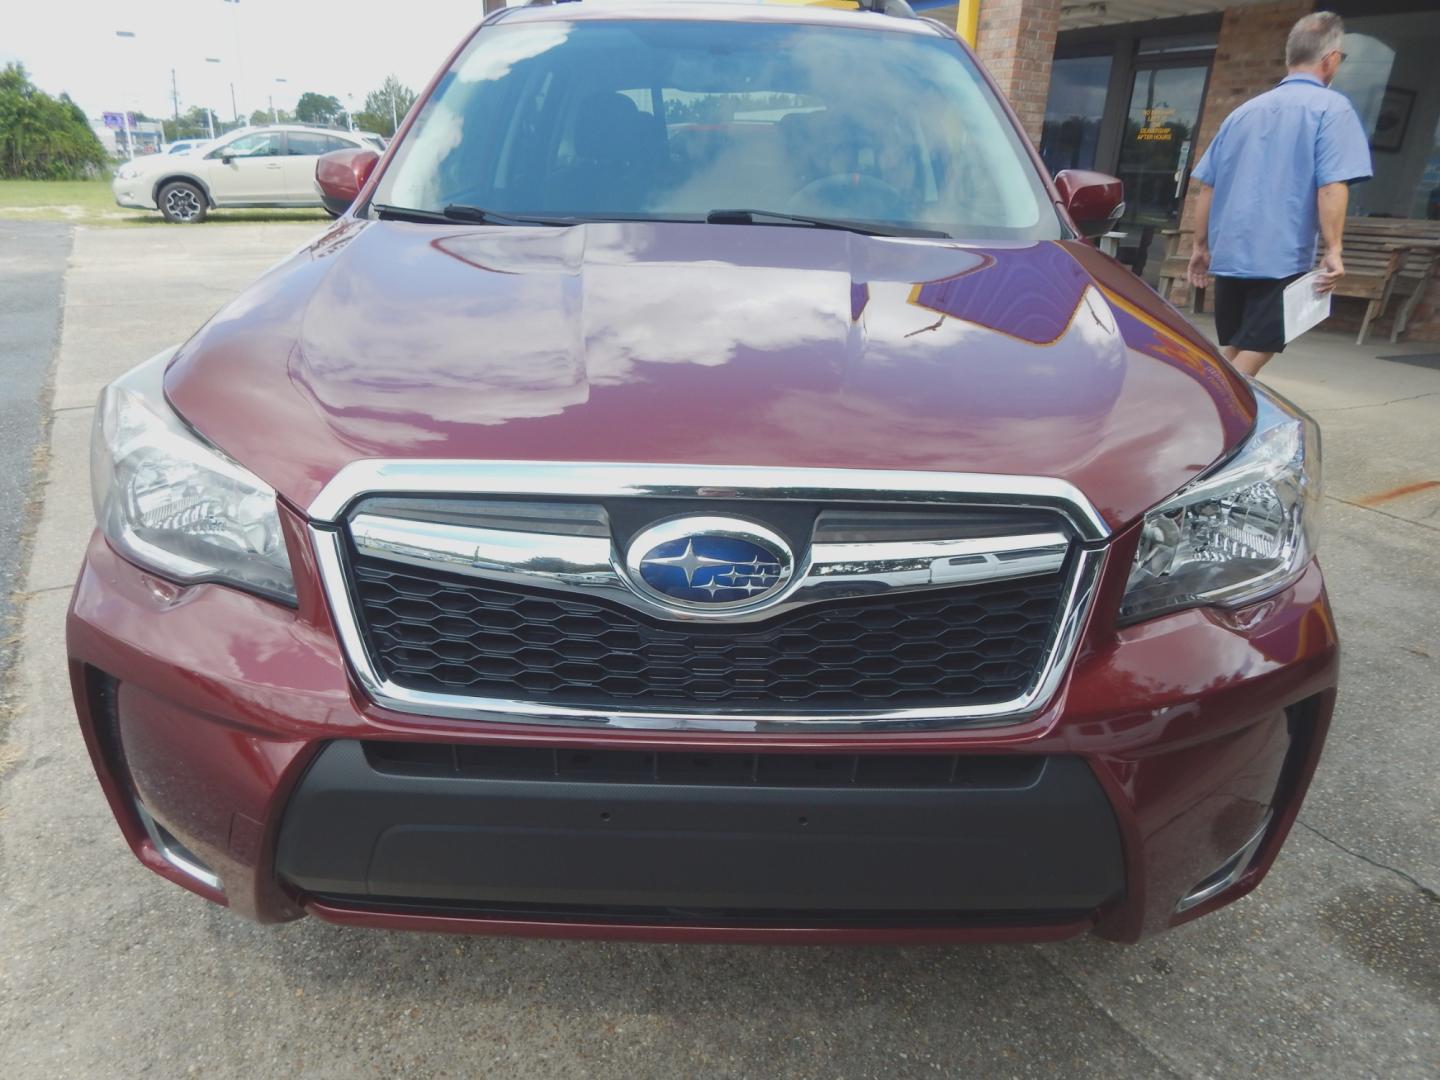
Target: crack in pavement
<point x="1386" y="513"/>
<point x="1429" y="893"/>
<point x="1170" y="1068"/>
<point x="28" y="594"/>
<point x="1375" y="404"/>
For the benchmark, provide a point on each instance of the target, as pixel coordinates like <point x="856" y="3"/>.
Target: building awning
<point x="1075" y="14"/>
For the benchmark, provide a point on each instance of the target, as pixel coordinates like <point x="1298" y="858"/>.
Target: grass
<point x="89" y="202"/>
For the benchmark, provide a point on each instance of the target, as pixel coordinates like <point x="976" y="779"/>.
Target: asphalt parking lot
<point x="1332" y="968"/>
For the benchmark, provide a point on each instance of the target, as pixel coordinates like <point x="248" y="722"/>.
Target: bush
<point x="41" y="137"/>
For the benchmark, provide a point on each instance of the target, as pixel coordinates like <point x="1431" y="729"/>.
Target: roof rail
<point x="898" y="8"/>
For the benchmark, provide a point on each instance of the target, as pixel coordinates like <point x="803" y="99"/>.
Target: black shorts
<point x="1250" y="312"/>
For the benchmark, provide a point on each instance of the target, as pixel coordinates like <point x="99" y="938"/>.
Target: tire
<point x="182" y="203"/>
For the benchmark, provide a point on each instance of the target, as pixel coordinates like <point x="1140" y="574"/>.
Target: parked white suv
<point x="264" y="166"/>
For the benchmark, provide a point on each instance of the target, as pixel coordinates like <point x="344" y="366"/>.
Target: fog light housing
<point x="1228" y="873"/>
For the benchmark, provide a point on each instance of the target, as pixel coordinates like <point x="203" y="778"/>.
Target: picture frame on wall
<point x="1393" y="119"/>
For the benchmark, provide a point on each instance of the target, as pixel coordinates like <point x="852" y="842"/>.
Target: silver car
<point x="261" y="166"/>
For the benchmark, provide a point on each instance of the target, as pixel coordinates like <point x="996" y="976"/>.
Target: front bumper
<point x="134" y="193"/>
<point x="228" y="736"/>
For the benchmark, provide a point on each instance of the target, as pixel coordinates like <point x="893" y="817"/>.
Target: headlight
<point x="171" y="502"/>
<point x="1243" y="531"/>
<point x="127" y="172"/>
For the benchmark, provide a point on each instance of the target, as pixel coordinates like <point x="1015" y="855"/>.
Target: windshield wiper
<point x="761" y="217"/>
<point x="460" y="212"/>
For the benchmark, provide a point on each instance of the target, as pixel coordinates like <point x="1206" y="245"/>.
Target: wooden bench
<point x="1176" y="267"/>
<point x="1385" y="258"/>
<point x="1388" y="258"/>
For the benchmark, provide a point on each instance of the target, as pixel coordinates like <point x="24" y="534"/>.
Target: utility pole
<point x="210" y="112"/>
<point x="394" y="114"/>
<point x="233" y="107"/>
<point x="175" y="98"/>
<point x="124" y="108"/>
<point x="239" y="56"/>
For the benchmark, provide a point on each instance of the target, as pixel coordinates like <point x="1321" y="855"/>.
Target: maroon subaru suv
<point x="705" y="486"/>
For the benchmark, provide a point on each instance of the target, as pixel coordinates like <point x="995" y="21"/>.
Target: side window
<point x="261" y="144"/>
<point x="304" y="143"/>
<point x="643" y="99"/>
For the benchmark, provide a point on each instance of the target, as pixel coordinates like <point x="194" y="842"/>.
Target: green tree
<point x="193" y="124"/>
<point x="313" y="108"/>
<point x="383" y="107"/>
<point x="43" y="137"/>
<point x="264" y="116"/>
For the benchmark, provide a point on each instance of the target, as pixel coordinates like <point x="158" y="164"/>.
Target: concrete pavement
<point x="1330" y="968"/>
<point x="32" y="272"/>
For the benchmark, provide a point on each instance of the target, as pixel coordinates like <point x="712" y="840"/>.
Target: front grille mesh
<point x="428" y="630"/>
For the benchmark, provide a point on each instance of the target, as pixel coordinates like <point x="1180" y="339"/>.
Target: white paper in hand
<point x="1304" y="307"/>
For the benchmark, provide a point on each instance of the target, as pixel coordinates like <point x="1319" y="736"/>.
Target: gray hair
<point x="1313" y="37"/>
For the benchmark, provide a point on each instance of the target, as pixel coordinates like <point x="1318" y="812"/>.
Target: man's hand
<point x="1199" y="268"/>
<point x="1331" y="271"/>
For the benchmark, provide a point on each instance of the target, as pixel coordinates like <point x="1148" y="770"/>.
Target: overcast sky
<point x="329" y="46"/>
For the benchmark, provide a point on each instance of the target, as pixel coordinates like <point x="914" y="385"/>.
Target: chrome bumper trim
<point x="591" y="565"/>
<point x="722" y="482"/>
<point x="1229" y="872"/>
<point x="166" y="846"/>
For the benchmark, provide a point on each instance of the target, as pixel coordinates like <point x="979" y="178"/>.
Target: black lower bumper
<point x="423" y="824"/>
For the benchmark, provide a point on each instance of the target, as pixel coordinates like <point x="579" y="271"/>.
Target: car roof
<point x="827" y="12"/>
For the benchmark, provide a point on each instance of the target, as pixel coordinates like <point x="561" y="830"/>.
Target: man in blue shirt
<point x="1280" y="167"/>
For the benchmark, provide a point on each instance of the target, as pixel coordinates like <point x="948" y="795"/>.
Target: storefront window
<point x="1389" y="75"/>
<point x="1073" y="112"/>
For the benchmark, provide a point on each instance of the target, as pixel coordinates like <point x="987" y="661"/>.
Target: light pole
<point x="209" y="112"/>
<point x="394" y="113"/>
<point x="350" y="112"/>
<point x="124" y="108"/>
<point x="239" y="55"/>
<point x="274" y="116"/>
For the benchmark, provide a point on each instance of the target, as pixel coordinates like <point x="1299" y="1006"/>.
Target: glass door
<point x="1155" y="154"/>
<point x="1074" y="112"/>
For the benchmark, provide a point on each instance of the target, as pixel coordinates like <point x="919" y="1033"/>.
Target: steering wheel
<point x="850" y="193"/>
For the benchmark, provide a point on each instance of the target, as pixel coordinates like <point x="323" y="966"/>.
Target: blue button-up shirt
<point x="1266" y="163"/>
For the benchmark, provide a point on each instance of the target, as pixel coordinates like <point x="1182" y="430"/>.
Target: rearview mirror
<point x="1094" y="200"/>
<point x="341" y="174"/>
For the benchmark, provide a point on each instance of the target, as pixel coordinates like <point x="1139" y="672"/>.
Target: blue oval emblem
<point x="709" y="562"/>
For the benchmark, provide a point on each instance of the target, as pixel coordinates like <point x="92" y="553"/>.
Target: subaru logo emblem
<point x="709" y="563"/>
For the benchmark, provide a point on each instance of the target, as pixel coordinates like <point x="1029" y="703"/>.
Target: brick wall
<point x="1016" y="42"/>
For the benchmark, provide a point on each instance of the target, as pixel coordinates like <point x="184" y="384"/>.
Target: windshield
<point x="672" y="120"/>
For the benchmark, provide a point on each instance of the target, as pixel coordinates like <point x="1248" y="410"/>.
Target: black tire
<point x="182" y="203"/>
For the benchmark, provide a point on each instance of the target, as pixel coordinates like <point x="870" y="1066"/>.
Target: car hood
<point x="710" y="344"/>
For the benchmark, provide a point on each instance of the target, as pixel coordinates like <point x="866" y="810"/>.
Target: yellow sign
<point x="1154" y="129"/>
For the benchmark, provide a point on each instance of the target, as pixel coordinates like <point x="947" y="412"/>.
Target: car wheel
<point x="182" y="203"/>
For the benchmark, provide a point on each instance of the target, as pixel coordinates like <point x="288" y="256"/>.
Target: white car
<point x="265" y="166"/>
<point x="183" y="146"/>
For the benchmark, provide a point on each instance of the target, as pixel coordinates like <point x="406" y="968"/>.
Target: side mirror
<point x="341" y="174"/>
<point x="227" y="159"/>
<point x="1094" y="200"/>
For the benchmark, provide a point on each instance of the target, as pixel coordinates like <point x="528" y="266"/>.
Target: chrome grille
<point x="498" y="590"/>
<point x="447" y="633"/>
